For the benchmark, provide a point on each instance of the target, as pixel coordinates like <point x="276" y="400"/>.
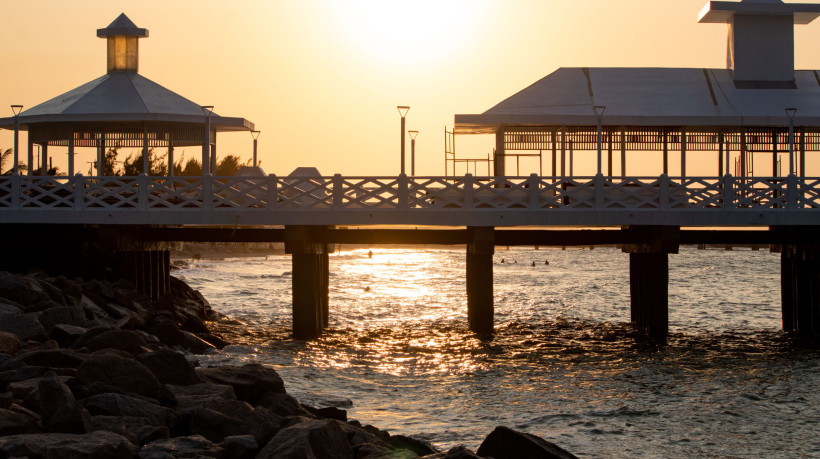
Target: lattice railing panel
<point x="632" y="193"/>
<point x="305" y="192"/>
<point x="366" y="193"/>
<point x="47" y="193"/>
<point x="240" y="192"/>
<point x="760" y="192"/>
<point x="697" y="192"/>
<point x="110" y="192"/>
<point x="808" y="196"/>
<point x="176" y="193"/>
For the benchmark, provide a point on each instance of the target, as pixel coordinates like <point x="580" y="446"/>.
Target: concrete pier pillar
<point x="800" y="288"/>
<point x="310" y="281"/>
<point x="649" y="277"/>
<point x="480" y="279"/>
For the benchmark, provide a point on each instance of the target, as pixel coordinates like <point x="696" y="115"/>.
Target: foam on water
<point x="563" y="363"/>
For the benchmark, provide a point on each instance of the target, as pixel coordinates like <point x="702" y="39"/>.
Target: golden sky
<point x="322" y="78"/>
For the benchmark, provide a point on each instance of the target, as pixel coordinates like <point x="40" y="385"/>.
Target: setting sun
<point x="416" y="32"/>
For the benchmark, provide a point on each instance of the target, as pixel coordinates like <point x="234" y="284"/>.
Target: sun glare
<point x="409" y="32"/>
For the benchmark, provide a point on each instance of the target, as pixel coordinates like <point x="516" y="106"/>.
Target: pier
<point x="124" y="226"/>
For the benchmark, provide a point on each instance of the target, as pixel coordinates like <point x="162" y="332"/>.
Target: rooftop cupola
<point x="123" y="48"/>
<point x="760" y="45"/>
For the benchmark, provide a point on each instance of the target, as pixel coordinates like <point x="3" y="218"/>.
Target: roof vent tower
<point x="123" y="46"/>
<point x="760" y="46"/>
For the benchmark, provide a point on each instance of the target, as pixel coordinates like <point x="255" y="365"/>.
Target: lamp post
<point x="16" y="109"/>
<point x="255" y="135"/>
<point x="790" y="113"/>
<point x="403" y="109"/>
<point x="599" y="113"/>
<point x="206" y="146"/>
<point x="413" y="135"/>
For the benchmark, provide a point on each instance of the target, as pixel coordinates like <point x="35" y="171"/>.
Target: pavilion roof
<point x="122" y="97"/>
<point x="649" y="97"/>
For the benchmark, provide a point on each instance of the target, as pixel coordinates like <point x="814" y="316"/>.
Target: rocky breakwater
<point x="93" y="369"/>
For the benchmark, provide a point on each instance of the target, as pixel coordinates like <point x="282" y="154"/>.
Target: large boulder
<point x="138" y="430"/>
<point x="95" y="445"/>
<point x="169" y="367"/>
<point x="56" y="315"/>
<point x="251" y="382"/>
<point x="59" y="409"/>
<point x="124" y="405"/>
<point x="23" y="290"/>
<point x="505" y="443"/>
<point x="307" y="439"/>
<point x="201" y="393"/>
<point x="126" y="374"/>
<point x="240" y="446"/>
<point x="422" y="448"/>
<point x="54" y="358"/>
<point x="9" y="343"/>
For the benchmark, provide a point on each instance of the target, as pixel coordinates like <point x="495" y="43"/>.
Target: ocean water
<point x="563" y="364"/>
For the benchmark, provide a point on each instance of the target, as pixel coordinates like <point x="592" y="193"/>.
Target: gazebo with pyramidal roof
<point x="122" y="108"/>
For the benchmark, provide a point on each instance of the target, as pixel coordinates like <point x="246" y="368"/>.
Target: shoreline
<point x="92" y="368"/>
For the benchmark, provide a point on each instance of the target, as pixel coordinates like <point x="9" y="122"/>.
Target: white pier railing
<point x="460" y="201"/>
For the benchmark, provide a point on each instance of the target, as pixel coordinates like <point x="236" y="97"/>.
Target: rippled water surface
<point x="563" y="364"/>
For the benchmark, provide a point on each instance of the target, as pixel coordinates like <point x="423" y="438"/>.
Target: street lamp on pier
<point x="255" y="135"/>
<point x="413" y="135"/>
<point x="16" y="109"/>
<point x="403" y="109"/>
<point x="206" y="146"/>
<point x="790" y="113"/>
<point x="599" y="113"/>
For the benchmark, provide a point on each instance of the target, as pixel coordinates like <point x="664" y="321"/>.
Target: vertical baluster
<point x="533" y="184"/>
<point x="338" y="192"/>
<point x="79" y="191"/>
<point x="273" y="192"/>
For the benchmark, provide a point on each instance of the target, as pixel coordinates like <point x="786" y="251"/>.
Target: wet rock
<point x="194" y="325"/>
<point x="251" y="382"/>
<point x="240" y="447"/>
<point x="58" y="408"/>
<point x="126" y="374"/>
<point x="308" y="438"/>
<point x="125" y="340"/>
<point x="179" y="447"/>
<point x="505" y="443"/>
<point x="382" y="451"/>
<point x="411" y="444"/>
<point x="9" y="343"/>
<point x="124" y="405"/>
<point x="329" y="412"/>
<point x="357" y="435"/>
<point x="95" y="445"/>
<point x="184" y="301"/>
<point x="14" y="423"/>
<point x="169" y="367"/>
<point x="25" y="326"/>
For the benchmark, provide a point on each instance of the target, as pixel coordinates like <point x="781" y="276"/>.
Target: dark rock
<point x="6" y="399"/>
<point x="419" y="447"/>
<point x="201" y="393"/>
<point x="71" y="290"/>
<point x="100" y="292"/>
<point x="127" y="374"/>
<point x="166" y="330"/>
<point x="263" y="424"/>
<point x="54" y="358"/>
<point x="10" y="307"/>
<point x="358" y="435"/>
<point x="25" y="326"/>
<point x="306" y="439"/>
<point x="9" y="343"/>
<point x="169" y="367"/>
<point x="213" y="425"/>
<point x="221" y="418"/>
<point x="250" y="382"/>
<point x="179" y="447"/>
<point x="330" y="412"/>
<point x="240" y="447"/>
<point x="95" y="445"/>
<point x="8" y="362"/>
<point x="137" y="430"/>
<point x="28" y="387"/>
<point x="460" y="452"/>
<point x="21" y="289"/>
<point x="66" y="334"/>
<point x="124" y="405"/>
<point x="54" y="293"/>
<point x="125" y="340"/>
<point x="194" y="325"/>
<point x="20" y="374"/>
<point x="14" y="423"/>
<point x="213" y="340"/>
<point x="51" y="317"/>
<point x="58" y="408"/>
<point x="124" y="318"/>
<point x="505" y="443"/>
<point x="185" y="301"/>
<point x="82" y="391"/>
<point x="95" y="315"/>
<point x="282" y="404"/>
